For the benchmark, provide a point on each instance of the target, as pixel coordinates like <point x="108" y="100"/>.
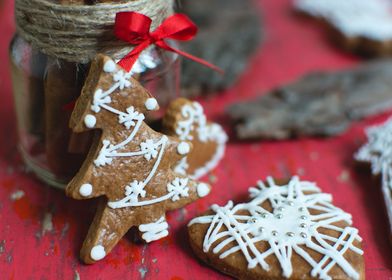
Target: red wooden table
<point x="41" y="230"/>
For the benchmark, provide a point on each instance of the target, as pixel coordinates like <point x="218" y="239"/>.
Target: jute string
<point x="76" y="33"/>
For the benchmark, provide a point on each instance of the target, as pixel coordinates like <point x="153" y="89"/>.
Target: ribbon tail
<point x="165" y="46"/>
<point x="129" y="60"/>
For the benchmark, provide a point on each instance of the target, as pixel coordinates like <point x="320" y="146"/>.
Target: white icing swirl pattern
<point x="370" y="19"/>
<point x="288" y="228"/>
<point x="194" y="116"/>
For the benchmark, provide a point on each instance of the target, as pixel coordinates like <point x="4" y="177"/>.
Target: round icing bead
<point x="151" y="104"/>
<point x="86" y="190"/>
<point x="90" y="121"/>
<point x="183" y="148"/>
<point x="97" y="253"/>
<point x="109" y="66"/>
<point x="203" y="189"/>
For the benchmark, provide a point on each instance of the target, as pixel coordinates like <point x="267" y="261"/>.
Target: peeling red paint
<point x="26" y="210"/>
<point x="176" y="278"/>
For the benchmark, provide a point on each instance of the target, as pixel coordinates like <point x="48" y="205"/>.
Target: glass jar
<point x="44" y="88"/>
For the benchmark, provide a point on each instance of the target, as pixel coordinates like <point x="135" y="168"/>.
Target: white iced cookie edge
<point x="86" y="190"/>
<point x="151" y="104"/>
<point x="183" y="148"/>
<point x="97" y="253"/>
<point x="109" y="66"/>
<point x="203" y="189"/>
<point x="371" y="19"/>
<point x="90" y="121"/>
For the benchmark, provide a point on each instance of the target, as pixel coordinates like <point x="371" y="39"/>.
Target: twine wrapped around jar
<point x="76" y="33"/>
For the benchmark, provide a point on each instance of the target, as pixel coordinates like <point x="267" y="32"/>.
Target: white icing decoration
<point x="378" y="152"/>
<point x="129" y="118"/>
<point x="155" y="230"/>
<point x="122" y="78"/>
<point x="149" y="149"/>
<point x="151" y="104"/>
<point x="288" y="228"/>
<point x="194" y="116"/>
<point x="86" y="190"/>
<point x="147" y="60"/>
<point x="90" y="121"/>
<point x="181" y="167"/>
<point x="183" y="148"/>
<point x="109" y="66"/>
<point x="178" y="188"/>
<point x="97" y="253"/>
<point x="371" y="19"/>
<point x="203" y="190"/>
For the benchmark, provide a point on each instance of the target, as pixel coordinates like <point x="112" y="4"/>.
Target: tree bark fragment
<point x="318" y="104"/>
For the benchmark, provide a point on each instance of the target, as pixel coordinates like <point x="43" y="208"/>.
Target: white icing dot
<point x="109" y="66"/>
<point x="90" y="121"/>
<point x="151" y="104"/>
<point x="203" y="189"/>
<point x="97" y="253"/>
<point x="86" y="190"/>
<point x="183" y="148"/>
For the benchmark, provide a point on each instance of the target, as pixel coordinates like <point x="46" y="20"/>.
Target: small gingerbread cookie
<point x="377" y="153"/>
<point x="363" y="26"/>
<point x="288" y="230"/>
<point x="186" y="120"/>
<point x="129" y="163"/>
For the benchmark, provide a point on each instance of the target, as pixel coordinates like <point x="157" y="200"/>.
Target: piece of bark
<point x="229" y="33"/>
<point x="63" y="83"/>
<point x="320" y="104"/>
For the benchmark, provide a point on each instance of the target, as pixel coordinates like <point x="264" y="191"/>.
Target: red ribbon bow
<point x="134" y="28"/>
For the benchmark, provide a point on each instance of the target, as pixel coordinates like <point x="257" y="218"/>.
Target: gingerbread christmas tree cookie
<point x="130" y="164"/>
<point x="186" y="120"/>
<point x="377" y="152"/>
<point x="288" y="230"/>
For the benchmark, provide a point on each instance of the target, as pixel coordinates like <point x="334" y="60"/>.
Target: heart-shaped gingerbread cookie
<point x="186" y="120"/>
<point x="288" y="230"/>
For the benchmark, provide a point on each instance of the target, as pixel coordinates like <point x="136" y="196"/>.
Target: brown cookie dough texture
<point x="288" y="230"/>
<point x="186" y="120"/>
<point x="363" y="27"/>
<point x="129" y="163"/>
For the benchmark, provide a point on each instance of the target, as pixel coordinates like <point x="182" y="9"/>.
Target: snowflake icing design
<point x="104" y="156"/>
<point x="100" y="98"/>
<point x="150" y="149"/>
<point x="122" y="78"/>
<point x="130" y="118"/>
<point x="134" y="190"/>
<point x="289" y="228"/>
<point x="178" y="188"/>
